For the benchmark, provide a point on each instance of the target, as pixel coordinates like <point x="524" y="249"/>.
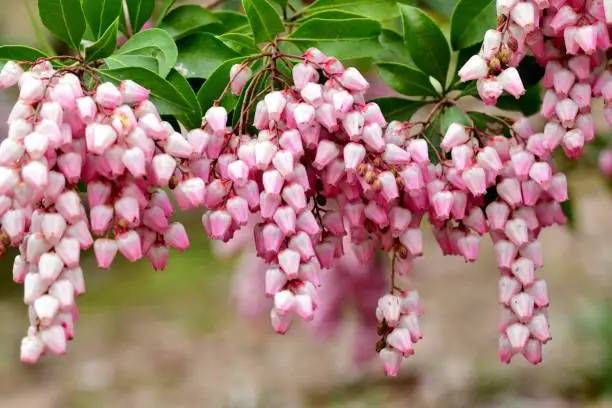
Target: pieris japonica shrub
<point x="259" y="121"/>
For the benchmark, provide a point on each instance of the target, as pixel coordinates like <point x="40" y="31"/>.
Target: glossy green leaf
<point x="529" y="104"/>
<point x="265" y="22"/>
<point x="140" y="11"/>
<point x="126" y="61"/>
<point x="153" y="43"/>
<point x="398" y="108"/>
<point x="470" y="20"/>
<point x="230" y="20"/>
<point x="331" y="15"/>
<point x="215" y="85"/>
<point x="345" y="39"/>
<point x="281" y="3"/>
<point x="164" y="8"/>
<point x="241" y="43"/>
<point x="166" y="97"/>
<point x="194" y="119"/>
<point x="200" y="54"/>
<point x="406" y="80"/>
<point x="342" y="49"/>
<point x="106" y="45"/>
<point x="433" y="135"/>
<point x="375" y="9"/>
<point x="424" y="39"/>
<point x="18" y="53"/>
<point x="318" y="29"/>
<point x="394" y="49"/>
<point x="65" y="19"/>
<point x="101" y="14"/>
<point x="453" y="114"/>
<point x="187" y="19"/>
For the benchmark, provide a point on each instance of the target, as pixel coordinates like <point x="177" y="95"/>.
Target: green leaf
<point x="345" y="39"/>
<point x="200" y="54"/>
<point x="375" y="9"/>
<point x="281" y="3"/>
<point x="342" y="49"/>
<point x="470" y="20"/>
<point x="529" y="104"/>
<point x="18" y="53"/>
<point x="453" y="114"/>
<point x="187" y="19"/>
<point x="216" y="84"/>
<point x="105" y="46"/>
<point x="65" y="19"/>
<point x="490" y="123"/>
<point x="398" y="108"/>
<point x="140" y="12"/>
<point x="164" y="8"/>
<point x="318" y="29"/>
<point x="330" y="15"/>
<point x="406" y="80"/>
<point x="432" y="133"/>
<point x="153" y="43"/>
<point x="126" y="61"/>
<point x="101" y="14"/>
<point x="166" y="97"/>
<point x="230" y="20"/>
<point x="426" y="43"/>
<point x="193" y="120"/>
<point x="394" y="48"/>
<point x="241" y="43"/>
<point x="265" y="22"/>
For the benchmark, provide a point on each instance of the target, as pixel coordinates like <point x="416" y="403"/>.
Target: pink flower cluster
<point x="508" y="189"/>
<point x="323" y="183"/>
<point x="114" y="142"/>
<point x="568" y="38"/>
<point x="315" y="143"/>
<point x="349" y="282"/>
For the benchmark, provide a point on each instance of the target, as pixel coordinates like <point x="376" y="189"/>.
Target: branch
<point x="128" y="22"/>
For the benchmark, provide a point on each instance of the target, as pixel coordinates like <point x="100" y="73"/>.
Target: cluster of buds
<point x="111" y="140"/>
<point x="506" y="188"/>
<point x="529" y="193"/>
<point x="349" y="281"/>
<point x="398" y="317"/>
<point x="324" y="178"/>
<point x="569" y="39"/>
<point x="322" y="182"/>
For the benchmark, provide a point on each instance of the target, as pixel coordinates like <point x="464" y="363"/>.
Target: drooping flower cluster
<point x="348" y="282"/>
<point x="111" y="140"/>
<point x="318" y="178"/>
<point x="312" y="148"/>
<point x="566" y="37"/>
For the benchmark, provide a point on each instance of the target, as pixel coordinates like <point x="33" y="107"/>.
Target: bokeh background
<point x="174" y="339"/>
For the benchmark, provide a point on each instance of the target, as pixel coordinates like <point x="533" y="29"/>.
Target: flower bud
<point x="132" y="92"/>
<point x="239" y="76"/>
